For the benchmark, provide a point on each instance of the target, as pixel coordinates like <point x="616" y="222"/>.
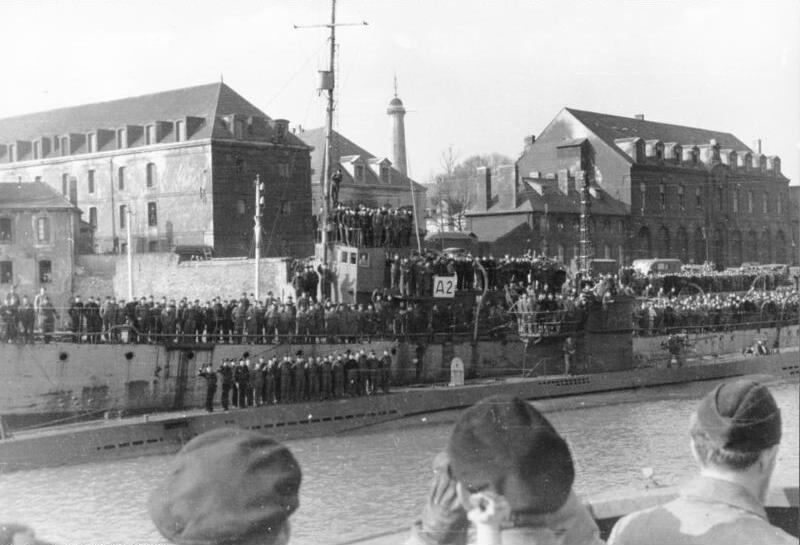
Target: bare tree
<point x="454" y="187"/>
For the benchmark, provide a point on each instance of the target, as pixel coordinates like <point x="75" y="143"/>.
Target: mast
<point x="257" y="234"/>
<point x="327" y="83"/>
<point x="586" y="235"/>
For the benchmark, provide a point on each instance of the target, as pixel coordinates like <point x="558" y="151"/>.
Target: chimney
<point x="529" y="140"/>
<point x="757" y="145"/>
<point x="483" y="189"/>
<point x="506" y="187"/>
<point x="640" y="117"/>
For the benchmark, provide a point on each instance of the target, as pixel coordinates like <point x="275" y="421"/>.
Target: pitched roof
<point x="205" y="101"/>
<point x="30" y="195"/>
<point x="611" y="127"/>
<point x="343" y="150"/>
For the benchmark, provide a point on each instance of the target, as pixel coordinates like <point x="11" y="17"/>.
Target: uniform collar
<point x="711" y="490"/>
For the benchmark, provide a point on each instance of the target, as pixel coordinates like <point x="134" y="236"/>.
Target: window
<point x="91" y="142"/>
<point x="662" y="196"/>
<point x="120" y="138"/>
<point x="152" y="214"/>
<point x="682" y="197"/>
<point x="152" y="246"/>
<point x="735" y="201"/>
<point x="606" y="251"/>
<point x="37" y="149"/>
<point x="150" y="135"/>
<point x="238" y="128"/>
<point x="151" y="174"/>
<point x="123" y="216"/>
<point x="283" y="170"/>
<point x="90" y="181"/>
<point x="43" y="229"/>
<point x="64" y="145"/>
<point x="6" y="272"/>
<point x="93" y="216"/>
<point x="765" y="203"/>
<point x="749" y="202"/>
<point x="55" y="143"/>
<point x="643" y="194"/>
<point x="384" y="174"/>
<point x="778" y="207"/>
<point x="359" y="173"/>
<point x="180" y="131"/>
<point x="239" y="166"/>
<point x="45" y="271"/>
<point x="12" y="153"/>
<point x="5" y="229"/>
<point x="121" y="178"/>
<point x="64" y="184"/>
<point x="698" y="198"/>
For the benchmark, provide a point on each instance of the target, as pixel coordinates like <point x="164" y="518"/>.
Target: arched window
<point x="749" y="202"/>
<point x="93" y="216"/>
<point x="662" y="196"/>
<point x="64" y="184"/>
<point x="666" y="243"/>
<point x="735" y="201"/>
<point x="121" y="178"/>
<point x="765" y="203"/>
<point x="682" y="196"/>
<point x="123" y="216"/>
<point x="151" y="174"/>
<point x="682" y="244"/>
<point x="698" y="198"/>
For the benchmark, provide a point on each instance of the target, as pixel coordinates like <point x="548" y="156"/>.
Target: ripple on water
<point x="358" y="484"/>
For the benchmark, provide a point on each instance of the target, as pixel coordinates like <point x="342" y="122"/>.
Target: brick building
<point x="182" y="162"/>
<point x="659" y="190"/>
<point x="39" y="231"/>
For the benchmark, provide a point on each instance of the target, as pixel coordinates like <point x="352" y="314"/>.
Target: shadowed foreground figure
<point x="18" y="534"/>
<point x="228" y="486"/>
<point x="508" y="472"/>
<point x="735" y="434"/>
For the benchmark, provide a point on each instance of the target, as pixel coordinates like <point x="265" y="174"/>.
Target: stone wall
<point x="161" y="275"/>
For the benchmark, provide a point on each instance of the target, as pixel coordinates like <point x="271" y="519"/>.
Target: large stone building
<point x="176" y="168"/>
<point x="367" y="179"/>
<point x="658" y="190"/>
<point x="39" y="231"/>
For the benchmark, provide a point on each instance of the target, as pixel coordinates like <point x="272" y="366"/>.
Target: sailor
<point x="257" y="380"/>
<point x="286" y="381"/>
<point x="385" y="372"/>
<point x="735" y="434"/>
<point x="314" y="368"/>
<point x="351" y="373"/>
<point x="299" y="376"/>
<point x="504" y="457"/>
<point x="374" y="373"/>
<point x="75" y="313"/>
<point x="363" y="373"/>
<point x="27" y="319"/>
<point x="337" y="370"/>
<point x="226" y="373"/>
<point x="236" y="393"/>
<point x="211" y="386"/>
<point x="228" y="486"/>
<point x="326" y="385"/>
<point x="269" y="373"/>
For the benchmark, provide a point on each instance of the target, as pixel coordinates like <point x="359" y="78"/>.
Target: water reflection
<point x="359" y="484"/>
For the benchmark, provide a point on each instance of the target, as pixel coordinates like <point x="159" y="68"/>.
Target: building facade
<point x="39" y="231"/>
<point x="658" y="190"/>
<point x="175" y="168"/>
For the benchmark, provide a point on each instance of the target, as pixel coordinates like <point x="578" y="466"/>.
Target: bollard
<point x="456" y="372"/>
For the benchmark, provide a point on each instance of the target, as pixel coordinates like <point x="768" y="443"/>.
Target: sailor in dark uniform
<point x="211" y="386"/>
<point x="286" y="381"/>
<point x="226" y="373"/>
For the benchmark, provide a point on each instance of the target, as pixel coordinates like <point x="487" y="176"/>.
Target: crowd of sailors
<point x="366" y="227"/>
<point x="247" y="383"/>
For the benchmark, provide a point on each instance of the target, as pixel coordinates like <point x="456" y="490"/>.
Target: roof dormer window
<point x="91" y="142"/>
<point x="358" y="171"/>
<point x="120" y="138"/>
<point x="180" y="131"/>
<point x="384" y="174"/>
<point x="149" y="135"/>
<point x="64" y="145"/>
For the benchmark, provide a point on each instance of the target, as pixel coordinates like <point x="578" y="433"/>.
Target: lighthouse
<point x="396" y="111"/>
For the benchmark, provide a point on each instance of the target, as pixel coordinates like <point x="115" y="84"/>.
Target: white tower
<point x="396" y="111"/>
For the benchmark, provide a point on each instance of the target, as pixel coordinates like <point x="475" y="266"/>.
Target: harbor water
<point x="375" y="480"/>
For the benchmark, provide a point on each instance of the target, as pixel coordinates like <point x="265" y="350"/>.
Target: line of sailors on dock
<point x="296" y="379"/>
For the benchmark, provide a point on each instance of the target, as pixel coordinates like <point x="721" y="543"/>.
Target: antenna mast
<point x="327" y="83"/>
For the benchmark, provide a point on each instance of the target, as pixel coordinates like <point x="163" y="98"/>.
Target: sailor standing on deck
<point x="211" y="386"/>
<point x="226" y="373"/>
<point x="735" y="434"/>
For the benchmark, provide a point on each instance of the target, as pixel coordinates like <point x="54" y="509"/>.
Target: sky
<point x="477" y="76"/>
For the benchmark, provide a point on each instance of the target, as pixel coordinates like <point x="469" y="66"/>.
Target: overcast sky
<point x="474" y="75"/>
